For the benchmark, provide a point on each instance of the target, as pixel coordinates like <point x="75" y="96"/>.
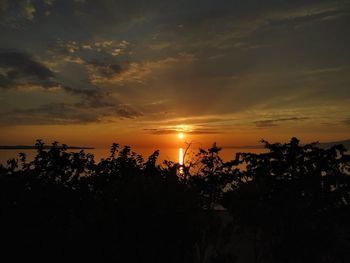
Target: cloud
<point x="18" y="13"/>
<point x="100" y="71"/>
<point x="137" y="71"/>
<point x="17" y="68"/>
<point x="20" y="70"/>
<point x="4" y="4"/>
<point x="175" y="131"/>
<point x="322" y="71"/>
<point x="211" y="122"/>
<point x="277" y="122"/>
<point x="89" y="93"/>
<point x="55" y="113"/>
<point x="28" y="10"/>
<point x="311" y="12"/>
<point x="60" y="46"/>
<point x="108" y="46"/>
<point x="127" y="112"/>
<point x="68" y="113"/>
<point x="49" y="2"/>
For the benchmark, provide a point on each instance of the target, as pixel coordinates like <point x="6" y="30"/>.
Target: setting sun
<point x="181" y="135"/>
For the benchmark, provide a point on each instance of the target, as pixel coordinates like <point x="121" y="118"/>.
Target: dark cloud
<point x="17" y="13"/>
<point x="63" y="47"/>
<point x="105" y="70"/>
<point x="92" y="93"/>
<point x="277" y="122"/>
<point x="65" y="113"/>
<point x="128" y="112"/>
<point x="56" y="113"/>
<point x="20" y="68"/>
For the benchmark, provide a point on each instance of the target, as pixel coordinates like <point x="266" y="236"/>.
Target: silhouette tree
<point x="287" y="198"/>
<point x="290" y="204"/>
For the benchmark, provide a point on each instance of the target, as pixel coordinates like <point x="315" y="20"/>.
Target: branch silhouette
<point x="288" y="204"/>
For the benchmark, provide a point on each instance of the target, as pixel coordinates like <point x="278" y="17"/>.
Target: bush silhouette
<point x="290" y="204"/>
<point x="294" y="201"/>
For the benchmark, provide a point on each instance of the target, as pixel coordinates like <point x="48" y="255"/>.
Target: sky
<point x="86" y="72"/>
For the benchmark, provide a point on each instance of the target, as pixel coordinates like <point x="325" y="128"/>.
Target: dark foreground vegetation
<point x="291" y="204"/>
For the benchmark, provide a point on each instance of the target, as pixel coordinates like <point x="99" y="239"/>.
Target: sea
<point x="171" y="154"/>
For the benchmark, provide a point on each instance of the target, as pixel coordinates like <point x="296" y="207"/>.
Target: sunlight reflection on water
<point x="172" y="154"/>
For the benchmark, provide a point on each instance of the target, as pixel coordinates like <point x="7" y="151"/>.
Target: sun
<point x="181" y="135"/>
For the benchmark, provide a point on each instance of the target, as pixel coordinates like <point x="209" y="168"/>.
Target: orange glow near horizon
<point x="103" y="135"/>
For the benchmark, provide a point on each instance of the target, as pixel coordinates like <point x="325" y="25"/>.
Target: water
<point x="171" y="154"/>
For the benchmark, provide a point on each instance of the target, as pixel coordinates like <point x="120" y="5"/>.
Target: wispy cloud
<point x="136" y="71"/>
<point x="65" y="113"/>
<point x="277" y="122"/>
<point x="175" y="131"/>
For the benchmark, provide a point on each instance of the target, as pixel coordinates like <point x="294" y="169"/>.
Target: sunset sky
<point x="87" y="72"/>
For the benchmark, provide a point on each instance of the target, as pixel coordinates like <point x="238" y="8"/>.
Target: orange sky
<point x="101" y="136"/>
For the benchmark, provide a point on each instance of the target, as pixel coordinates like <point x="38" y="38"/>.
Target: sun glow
<point x="181" y="135"/>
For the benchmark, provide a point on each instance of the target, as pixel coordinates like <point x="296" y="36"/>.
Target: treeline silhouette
<point x="289" y="204"/>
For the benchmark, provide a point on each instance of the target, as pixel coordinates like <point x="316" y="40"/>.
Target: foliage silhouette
<point x="290" y="204"/>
